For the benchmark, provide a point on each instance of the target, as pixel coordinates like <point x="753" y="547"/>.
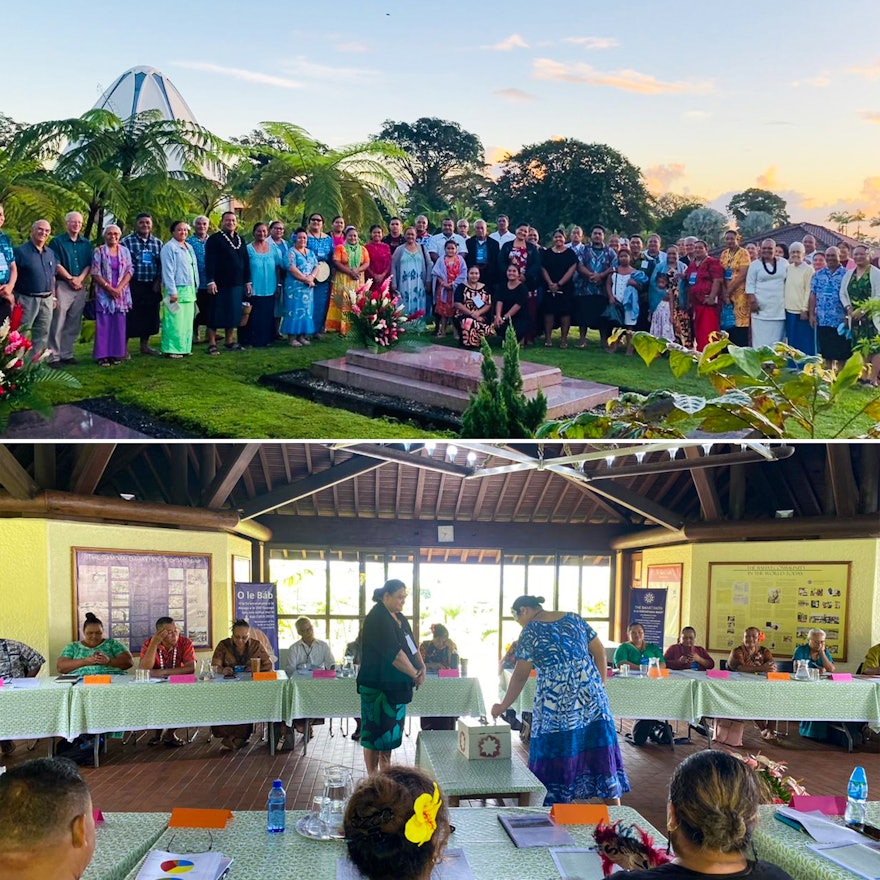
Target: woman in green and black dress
<point x="860" y="285"/>
<point x="390" y="668"/>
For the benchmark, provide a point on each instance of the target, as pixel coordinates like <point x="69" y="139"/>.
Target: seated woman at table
<point x="754" y="658"/>
<point x="396" y="825"/>
<point x="684" y="654"/>
<point x="94" y="654"/>
<point x="632" y="652"/>
<point x="439" y="653"/>
<point x="817" y="657"/>
<point x="235" y="655"/>
<point x="711" y="816"/>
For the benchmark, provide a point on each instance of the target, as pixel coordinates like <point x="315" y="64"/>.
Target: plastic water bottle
<point x="277" y="807"/>
<point x="856" y="798"/>
<point x="643" y="666"/>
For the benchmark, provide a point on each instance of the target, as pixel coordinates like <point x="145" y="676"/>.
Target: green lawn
<point x="220" y="397"/>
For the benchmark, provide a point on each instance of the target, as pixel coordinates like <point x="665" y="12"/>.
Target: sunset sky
<point x="705" y="103"/>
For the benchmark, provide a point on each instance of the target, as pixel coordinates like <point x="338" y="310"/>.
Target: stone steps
<point x="439" y="376"/>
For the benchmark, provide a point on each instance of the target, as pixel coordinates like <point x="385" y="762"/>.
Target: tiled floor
<point x="136" y="778"/>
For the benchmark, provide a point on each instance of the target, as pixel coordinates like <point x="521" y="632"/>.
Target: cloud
<point x="516" y="96"/>
<point x="252" y="76"/>
<point x="331" y="74"/>
<point x="514" y="41"/>
<point x="870" y="115"/>
<point x="869" y="71"/>
<point x="352" y="48"/>
<point x="593" y="42"/>
<point x="822" y="81"/>
<point x="658" y="178"/>
<point x="625" y="80"/>
<point x="696" y="114"/>
<point x="769" y="179"/>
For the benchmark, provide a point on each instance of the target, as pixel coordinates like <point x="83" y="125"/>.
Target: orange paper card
<point x="664" y="672"/>
<point x="266" y="676"/>
<point x="778" y="676"/>
<point x="184" y="817"/>
<point x="533" y="673"/>
<point x="579" y="814"/>
<point x="97" y="679"/>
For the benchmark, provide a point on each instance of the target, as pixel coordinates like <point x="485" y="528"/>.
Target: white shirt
<point x="314" y="656"/>
<point x="502" y="239"/>
<point x="768" y="289"/>
<point x="437" y="244"/>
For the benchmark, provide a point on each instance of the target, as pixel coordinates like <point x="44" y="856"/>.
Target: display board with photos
<point x="783" y="600"/>
<point x="129" y="590"/>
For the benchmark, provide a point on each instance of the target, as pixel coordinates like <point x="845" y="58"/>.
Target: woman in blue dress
<point x="297" y="318"/>
<point x="573" y="748"/>
<point x="321" y="245"/>
<point x="265" y="260"/>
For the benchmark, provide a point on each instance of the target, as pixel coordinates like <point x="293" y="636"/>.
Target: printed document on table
<point x="578" y="864"/>
<point x="862" y="859"/>
<point x="820" y="828"/>
<point x="454" y="866"/>
<point x="194" y="866"/>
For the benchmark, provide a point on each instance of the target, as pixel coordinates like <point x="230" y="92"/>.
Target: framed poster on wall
<point x="129" y="589"/>
<point x="669" y="578"/>
<point x="783" y="600"/>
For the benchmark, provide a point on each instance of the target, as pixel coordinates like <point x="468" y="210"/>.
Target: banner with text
<point x="648" y="607"/>
<point x="257" y="604"/>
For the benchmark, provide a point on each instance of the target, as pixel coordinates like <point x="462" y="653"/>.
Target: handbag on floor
<point x="728" y="732"/>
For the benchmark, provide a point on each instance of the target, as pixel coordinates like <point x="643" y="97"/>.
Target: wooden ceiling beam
<point x="46" y="465"/>
<point x="14" y="478"/>
<point x="221" y="486"/>
<point x="843" y="481"/>
<point x="91" y="463"/>
<point x="310" y="486"/>
<point x="869" y="478"/>
<point x="663" y="516"/>
<point x="710" y="504"/>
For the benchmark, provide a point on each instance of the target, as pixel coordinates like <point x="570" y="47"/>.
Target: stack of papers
<point x="195" y="866"/>
<point x="534" y="829"/>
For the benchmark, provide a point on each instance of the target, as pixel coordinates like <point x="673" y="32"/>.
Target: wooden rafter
<point x="843" y="481"/>
<point x="704" y="483"/>
<point x="221" y="486"/>
<point x="91" y="463"/>
<point x="14" y="478"/>
<point x="46" y="465"/>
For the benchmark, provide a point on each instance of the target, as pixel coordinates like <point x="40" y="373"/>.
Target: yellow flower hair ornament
<point x="422" y="824"/>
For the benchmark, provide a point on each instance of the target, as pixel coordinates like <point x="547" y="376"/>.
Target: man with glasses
<point x="35" y="284"/>
<point x="142" y="320"/>
<point x="74" y="255"/>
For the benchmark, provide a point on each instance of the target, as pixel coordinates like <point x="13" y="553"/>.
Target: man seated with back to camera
<point x="47" y="828"/>
<point x="166" y="653"/>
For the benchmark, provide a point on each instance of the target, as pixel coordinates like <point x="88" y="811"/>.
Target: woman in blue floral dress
<point x="573" y="748"/>
<point x="297" y="314"/>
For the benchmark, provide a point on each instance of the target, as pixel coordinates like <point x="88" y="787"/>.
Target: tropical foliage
<point x="769" y="392"/>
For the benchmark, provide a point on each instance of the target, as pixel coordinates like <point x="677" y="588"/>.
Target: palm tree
<point x="842" y="219"/>
<point x="858" y="217"/>
<point x="120" y="167"/>
<point x="286" y="167"/>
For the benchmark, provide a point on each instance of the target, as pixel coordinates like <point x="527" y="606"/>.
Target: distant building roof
<point x="144" y="88"/>
<point x="793" y="232"/>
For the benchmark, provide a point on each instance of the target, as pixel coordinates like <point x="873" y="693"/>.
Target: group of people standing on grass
<point x="296" y="288"/>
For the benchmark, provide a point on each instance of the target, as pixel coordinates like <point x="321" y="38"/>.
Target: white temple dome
<point x="144" y="88"/>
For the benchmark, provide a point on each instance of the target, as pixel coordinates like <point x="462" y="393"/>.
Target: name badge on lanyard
<point x="692" y="279"/>
<point x="4" y="264"/>
<point x="411" y="645"/>
<point x="728" y="274"/>
<point x="147" y="258"/>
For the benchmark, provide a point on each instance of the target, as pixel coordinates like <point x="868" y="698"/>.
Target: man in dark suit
<point x="482" y="251"/>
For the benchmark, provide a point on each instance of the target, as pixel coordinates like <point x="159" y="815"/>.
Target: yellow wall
<point x="36" y="601"/>
<point x="864" y="594"/>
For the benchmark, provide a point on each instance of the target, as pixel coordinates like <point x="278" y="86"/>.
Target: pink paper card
<point x="448" y="673"/>
<point x="717" y="673"/>
<point x="830" y="806"/>
<point x="323" y="673"/>
<point x="99" y="816"/>
<point x="841" y="676"/>
<point x="181" y="679"/>
<point x="1" y="682"/>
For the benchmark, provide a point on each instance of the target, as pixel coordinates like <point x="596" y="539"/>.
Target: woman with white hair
<point x="798" y="332"/>
<point x="111" y="274"/>
<point x="860" y="285"/>
<point x="817" y="657"/>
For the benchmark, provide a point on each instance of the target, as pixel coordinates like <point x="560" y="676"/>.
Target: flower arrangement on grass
<point x="773" y="778"/>
<point x="22" y="371"/>
<point x="378" y="317"/>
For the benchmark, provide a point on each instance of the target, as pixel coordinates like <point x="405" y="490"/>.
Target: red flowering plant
<point x="23" y="372"/>
<point x="378" y="317"/>
<point x="776" y="784"/>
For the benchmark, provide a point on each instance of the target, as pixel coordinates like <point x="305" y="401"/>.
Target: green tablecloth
<point x="34" y="712"/>
<point x="787" y="847"/>
<point x="121" y="841"/>
<point x="338" y="698"/>
<point x="491" y="854"/>
<point x="437" y="753"/>
<point x="126" y="705"/>
<point x="755" y="697"/>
